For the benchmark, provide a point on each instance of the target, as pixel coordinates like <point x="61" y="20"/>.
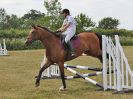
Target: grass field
<point x="17" y="78"/>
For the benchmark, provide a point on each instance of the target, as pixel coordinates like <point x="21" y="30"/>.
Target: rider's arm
<point x="61" y="27"/>
<point x="64" y="27"/>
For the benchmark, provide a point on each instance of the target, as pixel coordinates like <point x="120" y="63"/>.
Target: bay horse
<point x="86" y="42"/>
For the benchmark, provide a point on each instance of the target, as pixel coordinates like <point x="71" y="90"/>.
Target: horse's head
<point x="33" y="35"/>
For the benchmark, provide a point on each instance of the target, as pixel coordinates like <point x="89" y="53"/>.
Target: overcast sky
<point x="95" y="9"/>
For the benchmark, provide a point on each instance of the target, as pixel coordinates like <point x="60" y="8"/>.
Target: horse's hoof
<point x="37" y="84"/>
<point x="62" y="88"/>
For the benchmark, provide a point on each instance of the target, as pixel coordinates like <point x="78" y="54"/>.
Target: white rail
<point x="3" y="50"/>
<point x="115" y="59"/>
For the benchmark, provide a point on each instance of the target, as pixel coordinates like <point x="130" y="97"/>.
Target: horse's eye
<point x="34" y="33"/>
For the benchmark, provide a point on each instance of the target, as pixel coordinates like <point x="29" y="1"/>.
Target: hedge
<point x="15" y="38"/>
<point x="19" y="44"/>
<point x="15" y="33"/>
<point x="112" y="32"/>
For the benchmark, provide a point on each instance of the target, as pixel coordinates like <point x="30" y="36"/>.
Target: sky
<point x="95" y="9"/>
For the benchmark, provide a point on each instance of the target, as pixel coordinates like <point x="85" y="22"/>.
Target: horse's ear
<point x="38" y="25"/>
<point x="34" y="26"/>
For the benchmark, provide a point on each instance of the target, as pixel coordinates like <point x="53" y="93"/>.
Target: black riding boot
<point x="70" y="47"/>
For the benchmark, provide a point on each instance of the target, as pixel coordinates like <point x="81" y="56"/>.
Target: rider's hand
<point x="59" y="30"/>
<point x="62" y="29"/>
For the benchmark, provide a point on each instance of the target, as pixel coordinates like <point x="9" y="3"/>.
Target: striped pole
<point x="86" y="78"/>
<point x="85" y="75"/>
<point x="84" y="67"/>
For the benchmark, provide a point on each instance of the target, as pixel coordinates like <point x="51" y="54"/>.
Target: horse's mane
<point x="56" y="33"/>
<point x="45" y="29"/>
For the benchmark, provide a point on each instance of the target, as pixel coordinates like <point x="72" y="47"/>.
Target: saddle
<point x="62" y="38"/>
<point x="58" y="34"/>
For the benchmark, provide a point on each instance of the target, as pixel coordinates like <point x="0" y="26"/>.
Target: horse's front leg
<point x="61" y="67"/>
<point x="45" y="66"/>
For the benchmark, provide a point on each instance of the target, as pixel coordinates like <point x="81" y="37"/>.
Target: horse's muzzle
<point x="28" y="42"/>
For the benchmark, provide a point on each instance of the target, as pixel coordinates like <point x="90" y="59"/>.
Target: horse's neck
<point x="49" y="41"/>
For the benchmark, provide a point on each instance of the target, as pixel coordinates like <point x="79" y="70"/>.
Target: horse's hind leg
<point x="100" y="58"/>
<point x="46" y="65"/>
<point x="61" y="66"/>
<point x="99" y="55"/>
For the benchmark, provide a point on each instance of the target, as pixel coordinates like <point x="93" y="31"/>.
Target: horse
<point x="85" y="42"/>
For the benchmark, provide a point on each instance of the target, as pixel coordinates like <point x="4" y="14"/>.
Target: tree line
<point x="15" y="28"/>
<point x="52" y="19"/>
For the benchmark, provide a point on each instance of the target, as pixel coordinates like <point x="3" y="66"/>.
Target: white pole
<point x="4" y="48"/>
<point x="109" y="63"/>
<point x="119" y="87"/>
<point x="104" y="62"/>
<point x="122" y="71"/>
<point x="0" y="49"/>
<point x="49" y="71"/>
<point x="132" y="80"/>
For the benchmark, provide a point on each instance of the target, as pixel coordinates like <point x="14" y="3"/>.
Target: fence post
<point x="104" y="62"/>
<point x="119" y="87"/>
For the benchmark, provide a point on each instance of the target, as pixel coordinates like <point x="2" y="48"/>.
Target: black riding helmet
<point x="65" y="11"/>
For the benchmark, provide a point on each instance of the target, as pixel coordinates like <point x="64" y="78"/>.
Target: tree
<point x="8" y="21"/>
<point x="2" y="18"/>
<point x="53" y="8"/>
<point x="31" y="18"/>
<point x="33" y="15"/>
<point x="108" y="23"/>
<point x="44" y="21"/>
<point x="84" y="23"/>
<point x="12" y="21"/>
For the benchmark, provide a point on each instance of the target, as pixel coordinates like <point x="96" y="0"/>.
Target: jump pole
<point x="86" y="78"/>
<point x="83" y="67"/>
<point x="85" y="75"/>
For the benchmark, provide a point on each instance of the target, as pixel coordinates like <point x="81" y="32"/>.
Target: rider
<point x="68" y="29"/>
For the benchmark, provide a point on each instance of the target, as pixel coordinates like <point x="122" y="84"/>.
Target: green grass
<point x="18" y="71"/>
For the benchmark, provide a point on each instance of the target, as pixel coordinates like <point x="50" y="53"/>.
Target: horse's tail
<point x="100" y="39"/>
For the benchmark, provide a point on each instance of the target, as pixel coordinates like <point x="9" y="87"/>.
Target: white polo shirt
<point x="72" y="28"/>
